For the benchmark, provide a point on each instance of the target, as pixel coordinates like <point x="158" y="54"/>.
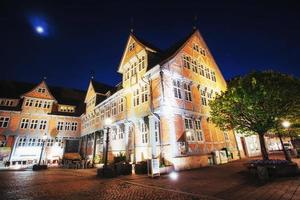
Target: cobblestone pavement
<point x="229" y="181"/>
<point x="77" y="184"/>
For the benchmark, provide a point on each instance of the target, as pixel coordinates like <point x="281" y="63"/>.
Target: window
<point x="213" y="76"/>
<point x="196" y="47"/>
<point x="6" y="102"/>
<point x="187" y="92"/>
<point x="43" y="124"/>
<point x="121" y="104"/>
<point x="203" y="96"/>
<point x="34" y="123"/>
<point x="207" y="74"/>
<point x="194" y="66"/>
<point x="177" y="89"/>
<point x="4" y="122"/>
<point x="201" y="70"/>
<point x="199" y="133"/>
<point x="22" y="142"/>
<point x="41" y="90"/>
<point x="114" y="108"/>
<point x="156" y="131"/>
<point x="24" y="123"/>
<point x="203" y="52"/>
<point x="50" y="142"/>
<point x="31" y="102"/>
<point x="141" y="63"/>
<point x="36" y="103"/>
<point x="131" y="46"/>
<point x="188" y="123"/>
<point x="121" y="132"/>
<point x="60" y="126"/>
<point x="144" y="93"/>
<point x="74" y="126"/>
<point x="136" y="97"/>
<point x="144" y="131"/>
<point x="27" y="102"/>
<point x="67" y="126"/>
<point x="107" y="111"/>
<point x="102" y="114"/>
<point x="186" y="62"/>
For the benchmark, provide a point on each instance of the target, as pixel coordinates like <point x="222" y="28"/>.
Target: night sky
<point x="80" y="37"/>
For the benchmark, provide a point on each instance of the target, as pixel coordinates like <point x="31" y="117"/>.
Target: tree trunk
<point x="263" y="148"/>
<point x="286" y="155"/>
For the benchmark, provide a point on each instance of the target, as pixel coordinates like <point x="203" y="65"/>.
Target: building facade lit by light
<point x="159" y="110"/>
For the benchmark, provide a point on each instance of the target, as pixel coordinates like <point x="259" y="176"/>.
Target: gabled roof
<point x="159" y="56"/>
<point x="101" y="88"/>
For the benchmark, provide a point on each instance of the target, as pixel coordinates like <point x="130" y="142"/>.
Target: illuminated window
<point x="177" y="89"/>
<point x="114" y="108"/>
<point x="187" y="92"/>
<point x="60" y="126"/>
<point x="67" y="126"/>
<point x="74" y="126"/>
<point x="144" y="131"/>
<point x="207" y="74"/>
<point x="188" y="124"/>
<point x="121" y="105"/>
<point x="213" y="76"/>
<point x="43" y="124"/>
<point x="203" y="96"/>
<point x="136" y="97"/>
<point x="144" y="93"/>
<point x="199" y="133"/>
<point x="4" y="122"/>
<point x="34" y="123"/>
<point x="24" y="123"/>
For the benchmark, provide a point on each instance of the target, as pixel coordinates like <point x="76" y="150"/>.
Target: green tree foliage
<point x="254" y="103"/>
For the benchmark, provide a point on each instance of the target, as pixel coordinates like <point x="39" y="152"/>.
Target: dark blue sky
<point x="85" y="36"/>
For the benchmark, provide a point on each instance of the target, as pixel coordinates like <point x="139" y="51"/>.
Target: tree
<point x="254" y="103"/>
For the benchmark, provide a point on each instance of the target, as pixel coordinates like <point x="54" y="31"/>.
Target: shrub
<point x="273" y="162"/>
<point x="120" y="158"/>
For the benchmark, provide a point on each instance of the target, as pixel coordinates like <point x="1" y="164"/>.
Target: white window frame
<point x="187" y="92"/>
<point x="4" y="121"/>
<point x="34" y="124"/>
<point x="24" y="123"/>
<point x="177" y="88"/>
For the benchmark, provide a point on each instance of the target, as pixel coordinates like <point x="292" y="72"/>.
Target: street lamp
<point x="286" y="124"/>
<point x="107" y="122"/>
<point x="44" y="138"/>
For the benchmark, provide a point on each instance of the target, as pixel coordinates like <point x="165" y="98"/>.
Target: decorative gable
<point x="90" y="93"/>
<point x="41" y="91"/>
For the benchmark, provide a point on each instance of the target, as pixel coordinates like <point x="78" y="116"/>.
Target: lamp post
<point x="286" y="124"/>
<point x="107" y="122"/>
<point x="44" y="138"/>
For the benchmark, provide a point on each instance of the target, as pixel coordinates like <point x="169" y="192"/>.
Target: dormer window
<point x="41" y="90"/>
<point x="131" y="47"/>
<point x="66" y="108"/>
<point x="199" y="49"/>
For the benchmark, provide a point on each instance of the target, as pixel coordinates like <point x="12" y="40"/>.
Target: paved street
<point x="228" y="181"/>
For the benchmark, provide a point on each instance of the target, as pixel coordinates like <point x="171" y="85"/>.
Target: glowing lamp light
<point x="173" y="175"/>
<point x="108" y="121"/>
<point x="286" y="124"/>
<point x="39" y="29"/>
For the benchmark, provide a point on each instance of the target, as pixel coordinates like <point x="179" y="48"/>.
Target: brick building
<point x="159" y="110"/>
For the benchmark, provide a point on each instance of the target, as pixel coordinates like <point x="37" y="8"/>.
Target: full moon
<point x="39" y="29"/>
